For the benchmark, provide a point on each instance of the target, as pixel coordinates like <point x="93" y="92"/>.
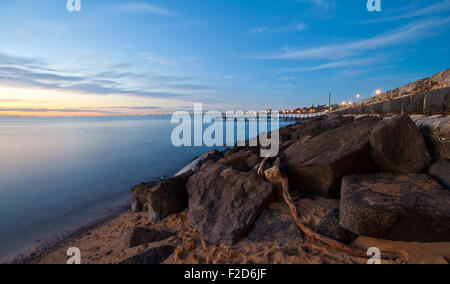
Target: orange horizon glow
<point x="23" y="101"/>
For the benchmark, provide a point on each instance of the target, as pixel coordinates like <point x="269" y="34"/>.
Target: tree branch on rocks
<point x="306" y="230"/>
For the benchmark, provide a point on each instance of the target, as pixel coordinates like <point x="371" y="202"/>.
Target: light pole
<point x="329" y="102"/>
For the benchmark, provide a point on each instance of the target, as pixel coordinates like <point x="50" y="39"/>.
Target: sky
<point x="125" y="57"/>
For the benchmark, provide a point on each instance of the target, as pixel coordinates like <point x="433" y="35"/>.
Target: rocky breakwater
<point x="426" y="96"/>
<point x="377" y="174"/>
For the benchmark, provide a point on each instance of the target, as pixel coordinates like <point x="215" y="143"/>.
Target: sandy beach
<point x="102" y="243"/>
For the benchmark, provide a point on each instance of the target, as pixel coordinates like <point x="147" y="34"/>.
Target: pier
<point x="283" y="117"/>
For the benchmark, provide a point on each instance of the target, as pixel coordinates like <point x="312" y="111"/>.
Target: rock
<point x="286" y="144"/>
<point x="207" y="164"/>
<point x="419" y="86"/>
<point x="329" y="226"/>
<point x="311" y="128"/>
<point x="318" y="165"/>
<point x="237" y="160"/>
<point x="213" y="155"/>
<point x="195" y="165"/>
<point x="137" y="236"/>
<point x="397" y="145"/>
<point x="441" y="80"/>
<point x="253" y="160"/>
<point x="398" y="207"/>
<point x="396" y="106"/>
<point x="440" y="171"/>
<point x="224" y="203"/>
<point x="168" y="197"/>
<point x="139" y="196"/>
<point x="150" y="256"/>
<point x="275" y="225"/>
<point x="273" y="175"/>
<point x="437" y="101"/>
<point x="416" y="103"/>
<point x="436" y="130"/>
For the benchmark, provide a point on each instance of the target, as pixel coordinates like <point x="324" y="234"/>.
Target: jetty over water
<point x="284" y="117"/>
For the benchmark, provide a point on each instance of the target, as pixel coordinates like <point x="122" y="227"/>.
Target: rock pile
<point x="380" y="169"/>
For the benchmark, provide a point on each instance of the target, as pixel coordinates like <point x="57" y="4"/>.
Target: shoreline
<point x="101" y="241"/>
<point x="59" y="240"/>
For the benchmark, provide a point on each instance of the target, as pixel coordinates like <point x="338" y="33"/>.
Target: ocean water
<point x="60" y="173"/>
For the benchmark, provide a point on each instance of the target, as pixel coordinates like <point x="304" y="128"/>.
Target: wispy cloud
<point x="169" y="61"/>
<point x="337" y="64"/>
<point x="144" y="7"/>
<point x="324" y="4"/>
<point x="409" y="33"/>
<point x="284" y="29"/>
<point x="17" y="71"/>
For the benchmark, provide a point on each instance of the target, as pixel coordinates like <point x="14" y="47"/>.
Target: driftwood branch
<point x="261" y="166"/>
<point x="306" y="230"/>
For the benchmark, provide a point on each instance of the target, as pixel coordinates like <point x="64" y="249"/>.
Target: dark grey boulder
<point x="397" y="145"/>
<point x="150" y="256"/>
<point x="167" y="197"/>
<point x="139" y="196"/>
<point x="440" y="171"/>
<point x="317" y="165"/>
<point x="329" y="226"/>
<point x="238" y="160"/>
<point x="398" y="207"/>
<point x="314" y="127"/>
<point x="224" y="203"/>
<point x="436" y="130"/>
<point x="137" y="236"/>
<point x="253" y="160"/>
<point x="275" y="225"/>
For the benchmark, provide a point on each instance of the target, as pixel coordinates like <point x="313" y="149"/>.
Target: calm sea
<point x="60" y="173"/>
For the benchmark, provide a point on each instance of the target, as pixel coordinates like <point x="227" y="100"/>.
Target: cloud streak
<point x="337" y="65"/>
<point x="19" y="71"/>
<point x="409" y="33"/>
<point x="276" y="30"/>
<point x="145" y="8"/>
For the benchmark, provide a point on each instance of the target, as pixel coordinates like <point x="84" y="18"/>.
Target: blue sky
<point x="139" y="57"/>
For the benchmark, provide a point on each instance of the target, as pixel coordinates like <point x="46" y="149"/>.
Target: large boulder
<point x="317" y="165"/>
<point x="275" y="225"/>
<point x="167" y="197"/>
<point x="224" y="203"/>
<point x="154" y="255"/>
<point x="139" y="196"/>
<point x="212" y="155"/>
<point x="436" y="130"/>
<point x="397" y="145"/>
<point x="398" y="207"/>
<point x="238" y="160"/>
<point x="253" y="160"/>
<point x="329" y="226"/>
<point x="440" y="171"/>
<point x="311" y="128"/>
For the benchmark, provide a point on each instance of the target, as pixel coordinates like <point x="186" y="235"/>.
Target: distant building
<point x="306" y="110"/>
